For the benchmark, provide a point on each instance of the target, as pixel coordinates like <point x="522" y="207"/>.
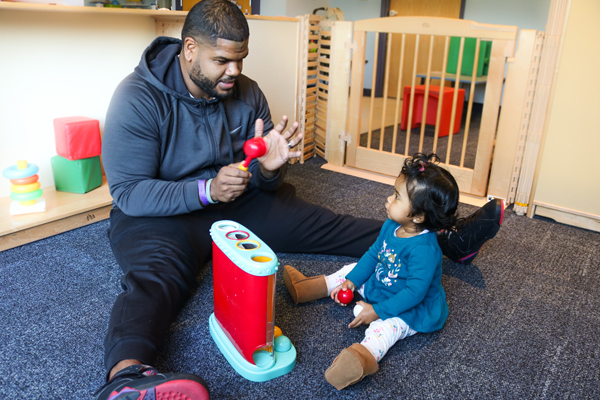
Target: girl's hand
<point x="346" y="285"/>
<point x="366" y="316"/>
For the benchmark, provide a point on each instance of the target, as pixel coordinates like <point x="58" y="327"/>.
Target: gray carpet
<point x="524" y="319"/>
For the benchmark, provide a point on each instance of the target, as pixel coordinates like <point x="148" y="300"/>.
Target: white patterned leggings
<point x="381" y="334"/>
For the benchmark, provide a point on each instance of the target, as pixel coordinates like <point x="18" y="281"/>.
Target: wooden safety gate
<point x="419" y="51"/>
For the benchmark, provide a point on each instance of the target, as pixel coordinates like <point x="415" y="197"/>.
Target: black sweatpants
<point x="161" y="257"/>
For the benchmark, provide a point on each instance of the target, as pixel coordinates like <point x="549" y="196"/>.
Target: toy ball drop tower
<point x="243" y="324"/>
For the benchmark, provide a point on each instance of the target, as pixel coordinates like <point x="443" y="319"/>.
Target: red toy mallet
<point x="253" y="148"/>
<point x="345" y="296"/>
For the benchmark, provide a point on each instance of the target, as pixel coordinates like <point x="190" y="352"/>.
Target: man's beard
<point x="207" y="85"/>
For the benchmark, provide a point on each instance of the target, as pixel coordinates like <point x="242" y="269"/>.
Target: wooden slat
<point x="322" y="120"/>
<point x="385" y="92"/>
<point x="398" y="93"/>
<point x="489" y="115"/>
<point x="441" y="95"/>
<point x="437" y="26"/>
<point x="455" y="99"/>
<point x="412" y="95"/>
<point x="320" y="142"/>
<point x="356" y="94"/>
<point x="373" y="85"/>
<point x="426" y="95"/>
<point x="390" y="164"/>
<point x="470" y="104"/>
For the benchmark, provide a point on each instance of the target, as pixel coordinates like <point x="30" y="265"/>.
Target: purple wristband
<point x="202" y="192"/>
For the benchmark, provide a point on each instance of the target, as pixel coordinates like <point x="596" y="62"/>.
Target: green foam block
<point x="485" y="49"/>
<point x="77" y="176"/>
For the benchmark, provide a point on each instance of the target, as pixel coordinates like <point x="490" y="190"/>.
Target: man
<point x="172" y="146"/>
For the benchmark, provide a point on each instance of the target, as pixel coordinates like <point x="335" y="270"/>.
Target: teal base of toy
<point x="284" y="361"/>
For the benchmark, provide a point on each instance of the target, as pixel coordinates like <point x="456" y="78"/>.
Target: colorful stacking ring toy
<point x="25" y="187"/>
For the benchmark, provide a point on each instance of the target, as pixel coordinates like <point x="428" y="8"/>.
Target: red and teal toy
<point x="243" y="324"/>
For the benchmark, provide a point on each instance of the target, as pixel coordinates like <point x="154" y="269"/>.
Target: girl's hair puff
<point x="432" y="192"/>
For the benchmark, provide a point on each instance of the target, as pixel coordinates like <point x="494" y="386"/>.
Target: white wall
<point x="354" y="10"/>
<point x="568" y="171"/>
<point x="301" y="7"/>
<point x="59" y="65"/>
<point x="526" y="14"/>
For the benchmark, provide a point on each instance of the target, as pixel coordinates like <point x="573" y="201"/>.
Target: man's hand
<point x="229" y="183"/>
<point x="278" y="145"/>
<point x="348" y="284"/>
<point x="366" y="316"/>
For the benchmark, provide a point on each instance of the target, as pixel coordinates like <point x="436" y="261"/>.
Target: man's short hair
<point x="210" y="20"/>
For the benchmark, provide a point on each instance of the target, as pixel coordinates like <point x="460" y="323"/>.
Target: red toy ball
<point x="345" y="296"/>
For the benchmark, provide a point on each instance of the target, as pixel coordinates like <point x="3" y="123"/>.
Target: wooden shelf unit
<point x="64" y="211"/>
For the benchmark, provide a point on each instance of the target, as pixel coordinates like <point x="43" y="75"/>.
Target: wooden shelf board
<point x="64" y="211"/>
<point x="162" y="15"/>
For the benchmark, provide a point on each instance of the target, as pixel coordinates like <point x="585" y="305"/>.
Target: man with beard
<point x="172" y="145"/>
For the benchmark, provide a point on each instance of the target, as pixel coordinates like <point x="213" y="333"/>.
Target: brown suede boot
<point x="304" y="289"/>
<point x="351" y="366"/>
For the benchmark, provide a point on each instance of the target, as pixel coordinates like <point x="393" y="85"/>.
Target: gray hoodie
<point x="158" y="141"/>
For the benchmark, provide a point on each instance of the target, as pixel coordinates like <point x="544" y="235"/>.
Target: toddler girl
<point x="400" y="275"/>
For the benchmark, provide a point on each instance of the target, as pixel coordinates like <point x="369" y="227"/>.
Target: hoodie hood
<point x="160" y="67"/>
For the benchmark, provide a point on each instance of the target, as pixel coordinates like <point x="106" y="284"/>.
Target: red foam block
<point x="77" y="137"/>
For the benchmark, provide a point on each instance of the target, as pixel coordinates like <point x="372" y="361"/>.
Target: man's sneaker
<point x="462" y="243"/>
<point x="141" y="382"/>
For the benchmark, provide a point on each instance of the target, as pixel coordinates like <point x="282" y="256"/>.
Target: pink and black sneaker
<point x="463" y="243"/>
<point x="142" y="382"/>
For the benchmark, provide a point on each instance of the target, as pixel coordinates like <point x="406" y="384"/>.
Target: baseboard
<point x="568" y="216"/>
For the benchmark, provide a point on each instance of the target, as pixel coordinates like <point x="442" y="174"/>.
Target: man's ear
<point x="190" y="48"/>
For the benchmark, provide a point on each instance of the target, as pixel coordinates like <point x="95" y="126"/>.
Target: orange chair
<point x="432" y="106"/>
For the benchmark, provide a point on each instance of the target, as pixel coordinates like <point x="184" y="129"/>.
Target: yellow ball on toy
<point x="278" y="331"/>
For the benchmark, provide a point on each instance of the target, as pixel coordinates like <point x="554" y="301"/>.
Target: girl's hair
<point x="210" y="20"/>
<point x="432" y="192"/>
